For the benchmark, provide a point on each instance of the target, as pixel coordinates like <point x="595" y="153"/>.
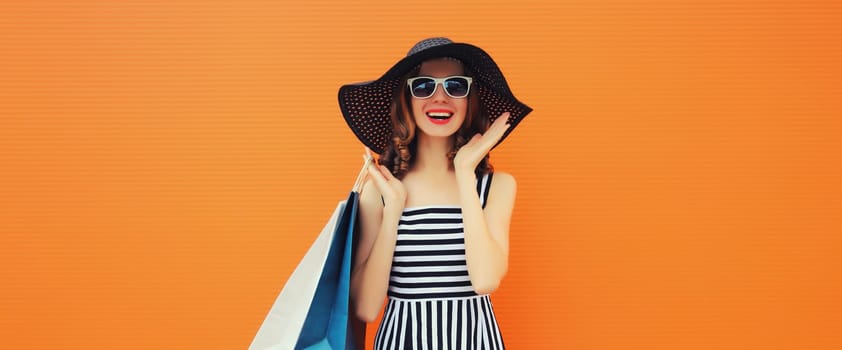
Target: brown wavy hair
<point x="397" y="155"/>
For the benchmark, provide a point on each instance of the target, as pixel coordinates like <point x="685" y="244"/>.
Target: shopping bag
<point x="281" y="327"/>
<point x="315" y="313"/>
<point x="327" y="325"/>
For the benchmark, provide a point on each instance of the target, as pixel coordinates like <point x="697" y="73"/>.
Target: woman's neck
<point x="431" y="154"/>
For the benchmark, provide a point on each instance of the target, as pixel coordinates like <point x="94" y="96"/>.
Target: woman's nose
<point x="439" y="95"/>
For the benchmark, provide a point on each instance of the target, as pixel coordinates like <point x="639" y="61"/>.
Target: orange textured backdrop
<point x="165" y="164"/>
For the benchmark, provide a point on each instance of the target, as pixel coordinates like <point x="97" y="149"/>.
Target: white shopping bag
<point x="283" y="324"/>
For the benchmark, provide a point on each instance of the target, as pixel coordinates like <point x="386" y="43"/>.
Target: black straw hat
<point x="367" y="106"/>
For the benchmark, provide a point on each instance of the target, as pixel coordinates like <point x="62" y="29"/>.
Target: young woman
<point x="434" y="226"/>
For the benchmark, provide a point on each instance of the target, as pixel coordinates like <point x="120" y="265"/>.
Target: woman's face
<point x="439" y="115"/>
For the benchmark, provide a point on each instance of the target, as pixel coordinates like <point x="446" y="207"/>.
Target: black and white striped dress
<point x="432" y="305"/>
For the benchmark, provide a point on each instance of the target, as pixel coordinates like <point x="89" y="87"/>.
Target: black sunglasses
<point x="455" y="86"/>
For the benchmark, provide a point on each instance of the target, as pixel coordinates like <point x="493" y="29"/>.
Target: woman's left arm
<point x="486" y="231"/>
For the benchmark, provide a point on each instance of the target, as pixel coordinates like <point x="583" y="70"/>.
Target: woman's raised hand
<point x="478" y="146"/>
<point x="392" y="189"/>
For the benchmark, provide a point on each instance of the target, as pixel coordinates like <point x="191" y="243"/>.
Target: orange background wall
<point x="164" y="165"/>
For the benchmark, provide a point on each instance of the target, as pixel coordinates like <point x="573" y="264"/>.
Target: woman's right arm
<point x="376" y="247"/>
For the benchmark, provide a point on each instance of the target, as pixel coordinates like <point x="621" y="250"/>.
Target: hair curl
<point x="397" y="155"/>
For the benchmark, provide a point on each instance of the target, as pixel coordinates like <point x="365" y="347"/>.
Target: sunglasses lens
<point x="423" y="87"/>
<point x="456" y="87"/>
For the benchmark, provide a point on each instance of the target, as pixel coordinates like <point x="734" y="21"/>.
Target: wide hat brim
<point x="366" y="106"/>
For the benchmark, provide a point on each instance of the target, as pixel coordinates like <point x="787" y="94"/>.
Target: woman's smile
<point x="439" y="116"/>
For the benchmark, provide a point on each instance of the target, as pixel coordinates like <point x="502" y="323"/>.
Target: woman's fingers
<point x="390" y="187"/>
<point x="377" y="176"/>
<point x="386" y="173"/>
<point x="367" y="153"/>
<point x="499" y="127"/>
<point x="383" y="179"/>
<point x="493" y="134"/>
<point x="395" y="184"/>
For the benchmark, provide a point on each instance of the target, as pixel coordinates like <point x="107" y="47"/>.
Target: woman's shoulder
<point x="504" y="181"/>
<point x="502" y="177"/>
<point x="501" y="195"/>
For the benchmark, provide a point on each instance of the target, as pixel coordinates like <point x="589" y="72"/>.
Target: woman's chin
<point x="438" y="130"/>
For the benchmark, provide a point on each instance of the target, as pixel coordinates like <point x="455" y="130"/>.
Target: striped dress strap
<point x="483" y="187"/>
